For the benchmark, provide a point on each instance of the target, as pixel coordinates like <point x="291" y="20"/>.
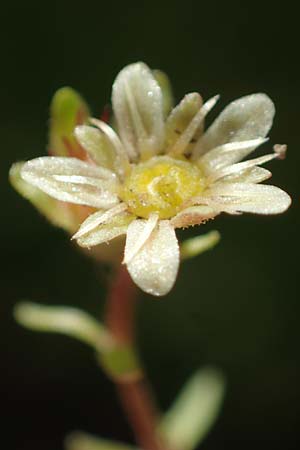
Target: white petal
<point x="72" y="180"/>
<point x="228" y="154"/>
<point x="240" y="168"/>
<point x="121" y="159"/>
<point x="194" y="215"/>
<point x="138" y="107"/>
<point x="98" y="218"/>
<point x="253" y="175"/>
<point x="130" y="252"/>
<point x="154" y="268"/>
<point x="183" y="141"/>
<point x="247" y="118"/>
<point x="166" y="90"/>
<point x="104" y="232"/>
<point x="96" y="144"/>
<point x="248" y="197"/>
<point x="180" y="117"/>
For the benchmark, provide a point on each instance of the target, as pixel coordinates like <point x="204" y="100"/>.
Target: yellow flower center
<point x="161" y="185"/>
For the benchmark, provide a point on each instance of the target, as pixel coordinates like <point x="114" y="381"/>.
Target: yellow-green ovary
<point x="161" y="185"/>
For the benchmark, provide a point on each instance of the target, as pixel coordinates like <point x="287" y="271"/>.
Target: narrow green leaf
<point x="83" y="441"/>
<point x="79" y="440"/>
<point x="56" y="212"/>
<point x="194" y="411"/>
<point x="199" y="244"/>
<point x="66" y="320"/>
<point x="67" y="110"/>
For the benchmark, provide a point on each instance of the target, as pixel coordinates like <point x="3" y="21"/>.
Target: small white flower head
<point x="156" y="172"/>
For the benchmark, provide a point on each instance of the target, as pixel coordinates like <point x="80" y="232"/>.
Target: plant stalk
<point x="134" y="393"/>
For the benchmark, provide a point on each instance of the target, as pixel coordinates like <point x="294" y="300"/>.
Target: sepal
<point x="67" y="110"/>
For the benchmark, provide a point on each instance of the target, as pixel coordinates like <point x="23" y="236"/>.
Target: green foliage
<point x="66" y="320"/>
<point x="83" y="441"/>
<point x="119" y="361"/>
<point x="195" y="410"/>
<point x="199" y="244"/>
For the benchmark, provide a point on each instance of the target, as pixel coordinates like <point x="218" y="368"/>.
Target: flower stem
<point x="134" y="394"/>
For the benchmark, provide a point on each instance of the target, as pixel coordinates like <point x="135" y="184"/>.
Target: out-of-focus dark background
<point x="236" y="307"/>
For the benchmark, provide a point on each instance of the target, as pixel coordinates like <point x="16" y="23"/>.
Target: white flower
<point x="155" y="174"/>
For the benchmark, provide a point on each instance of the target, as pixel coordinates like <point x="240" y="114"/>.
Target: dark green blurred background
<point x="236" y="307"/>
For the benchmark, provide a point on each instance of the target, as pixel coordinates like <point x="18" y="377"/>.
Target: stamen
<point x="180" y="145"/>
<point x="280" y="150"/>
<point x="123" y="165"/>
<point x="240" y="167"/>
<point x="97" y="219"/>
<point x="149" y="227"/>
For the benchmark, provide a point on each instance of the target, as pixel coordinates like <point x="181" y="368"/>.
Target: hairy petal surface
<point x="193" y="128"/>
<point x="240" y="168"/>
<point x="227" y="154"/>
<point x="166" y="89"/>
<point x="247" y="118"/>
<point x="96" y="144"/>
<point x="181" y="116"/>
<point x="121" y="161"/>
<point x="53" y="210"/>
<point x="104" y="232"/>
<point x="155" y="266"/>
<point x="72" y="180"/>
<point x="248" y="197"/>
<point x="193" y="215"/>
<point x="98" y="218"/>
<point x="138" y="107"/>
<point x="252" y="175"/>
<point x="142" y="238"/>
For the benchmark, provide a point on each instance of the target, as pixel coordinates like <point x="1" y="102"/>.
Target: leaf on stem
<point x="195" y="410"/>
<point x="199" y="244"/>
<point x="66" y="320"/>
<point x="83" y="441"/>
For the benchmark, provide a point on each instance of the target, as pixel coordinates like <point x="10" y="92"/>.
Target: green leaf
<point x="199" y="244"/>
<point x="194" y="411"/>
<point x="66" y="320"/>
<point x="67" y="110"/>
<point x="165" y="85"/>
<point x="83" y="441"/>
<point x="118" y="360"/>
<point x="56" y="212"/>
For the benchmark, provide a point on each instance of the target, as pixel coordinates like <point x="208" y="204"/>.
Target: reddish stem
<point x="121" y="307"/>
<point x="139" y="408"/>
<point x="134" y="394"/>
